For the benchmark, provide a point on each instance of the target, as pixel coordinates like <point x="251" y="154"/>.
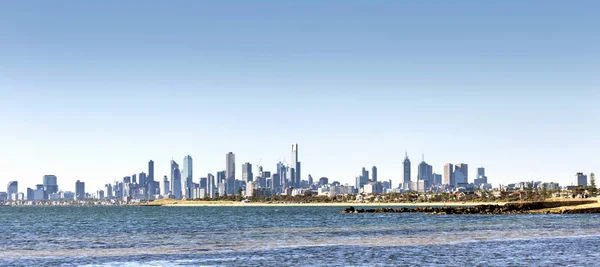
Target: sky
<point x="93" y="90"/>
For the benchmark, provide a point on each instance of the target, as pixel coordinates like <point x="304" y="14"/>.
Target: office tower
<point x="449" y="178"/>
<point x="292" y="181"/>
<point x="581" y="179"/>
<point x="437" y="179"/>
<point x="150" y="171"/>
<point x="425" y="173"/>
<point x="365" y="174"/>
<point x="406" y="165"/>
<point x="230" y="173"/>
<point x="203" y="182"/>
<point x="109" y="191"/>
<point x="464" y="173"/>
<point x="323" y="181"/>
<point x="247" y="174"/>
<point x="481" y="178"/>
<point x="79" y="190"/>
<point x="310" y="180"/>
<point x="39" y="193"/>
<point x="187" y="177"/>
<point x="134" y="179"/>
<point x="12" y="189"/>
<point x="282" y="173"/>
<point x="30" y="194"/>
<point x="50" y="184"/>
<point x="142" y="179"/>
<point x="127" y="179"/>
<point x="210" y="184"/>
<point x="298" y="175"/>
<point x="175" y="180"/>
<point x="221" y="177"/>
<point x="294" y="165"/>
<point x="166" y="186"/>
<point x="374" y="174"/>
<point x="276" y="183"/>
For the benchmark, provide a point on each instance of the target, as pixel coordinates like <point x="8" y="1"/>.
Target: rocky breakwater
<point x="510" y="208"/>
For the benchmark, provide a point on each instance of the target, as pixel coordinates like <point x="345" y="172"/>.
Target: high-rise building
<point x="166" y="186"/>
<point x="581" y="179"/>
<point x="109" y="191"/>
<point x="276" y="183"/>
<point x="175" y="180"/>
<point x="481" y="178"/>
<point x="374" y="174"/>
<point x="449" y="178"/>
<point x="298" y="174"/>
<point x="230" y="173"/>
<point x="464" y="170"/>
<point x="295" y="181"/>
<point x="79" y="190"/>
<point x="425" y="173"/>
<point x="187" y="176"/>
<point x="437" y="179"/>
<point x="50" y="184"/>
<point x="247" y="175"/>
<point x="150" y="170"/>
<point x="406" y="165"/>
<point x="142" y="180"/>
<point x="210" y="186"/>
<point x="134" y="179"/>
<point x="12" y="190"/>
<point x="310" y="180"/>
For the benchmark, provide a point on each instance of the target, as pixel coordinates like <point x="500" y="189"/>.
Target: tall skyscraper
<point x="374" y="174"/>
<point x="247" y="174"/>
<point x="295" y="179"/>
<point x="142" y="180"/>
<point x="175" y="180"/>
<point x="581" y="179"/>
<point x="210" y="186"/>
<point x="425" y="173"/>
<point x="481" y="178"/>
<point x="406" y="165"/>
<point x="230" y="173"/>
<point x="187" y="176"/>
<point x="109" y="191"/>
<point x="464" y="173"/>
<point x="79" y="190"/>
<point x="150" y="171"/>
<point x="50" y="184"/>
<point x="449" y="178"/>
<point x="12" y="190"/>
<point x="166" y="186"/>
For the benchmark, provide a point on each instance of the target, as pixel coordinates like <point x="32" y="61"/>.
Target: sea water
<point x="289" y="236"/>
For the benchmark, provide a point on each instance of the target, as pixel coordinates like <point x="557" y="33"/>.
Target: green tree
<point x="593" y="184"/>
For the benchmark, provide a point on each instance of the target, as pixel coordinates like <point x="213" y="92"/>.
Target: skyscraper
<point x="406" y="165"/>
<point x="581" y="179"/>
<point x="79" y="190"/>
<point x="187" y="176"/>
<point x="50" y="184"/>
<point x="12" y="190"/>
<point x="295" y="179"/>
<point x="247" y="174"/>
<point x="175" y="180"/>
<point x="210" y="186"/>
<point x="150" y="171"/>
<point x="230" y="173"/>
<point x="425" y="173"/>
<point x="464" y="171"/>
<point x="374" y="174"/>
<point x="449" y="178"/>
<point x="481" y="178"/>
<point x="166" y="186"/>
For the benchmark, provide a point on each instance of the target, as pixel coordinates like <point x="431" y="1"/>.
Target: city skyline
<point x="89" y="92"/>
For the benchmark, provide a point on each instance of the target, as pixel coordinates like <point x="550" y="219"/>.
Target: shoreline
<point x="315" y="204"/>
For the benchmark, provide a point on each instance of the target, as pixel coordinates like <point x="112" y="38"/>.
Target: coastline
<point x="314" y="204"/>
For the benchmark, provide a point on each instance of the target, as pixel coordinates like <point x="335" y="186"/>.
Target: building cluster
<point x="285" y="179"/>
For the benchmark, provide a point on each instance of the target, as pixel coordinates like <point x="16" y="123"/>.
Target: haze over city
<point x="92" y="91"/>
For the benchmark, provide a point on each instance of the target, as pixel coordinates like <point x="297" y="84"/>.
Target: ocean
<point x="289" y="236"/>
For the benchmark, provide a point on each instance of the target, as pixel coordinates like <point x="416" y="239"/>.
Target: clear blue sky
<point x="92" y="90"/>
